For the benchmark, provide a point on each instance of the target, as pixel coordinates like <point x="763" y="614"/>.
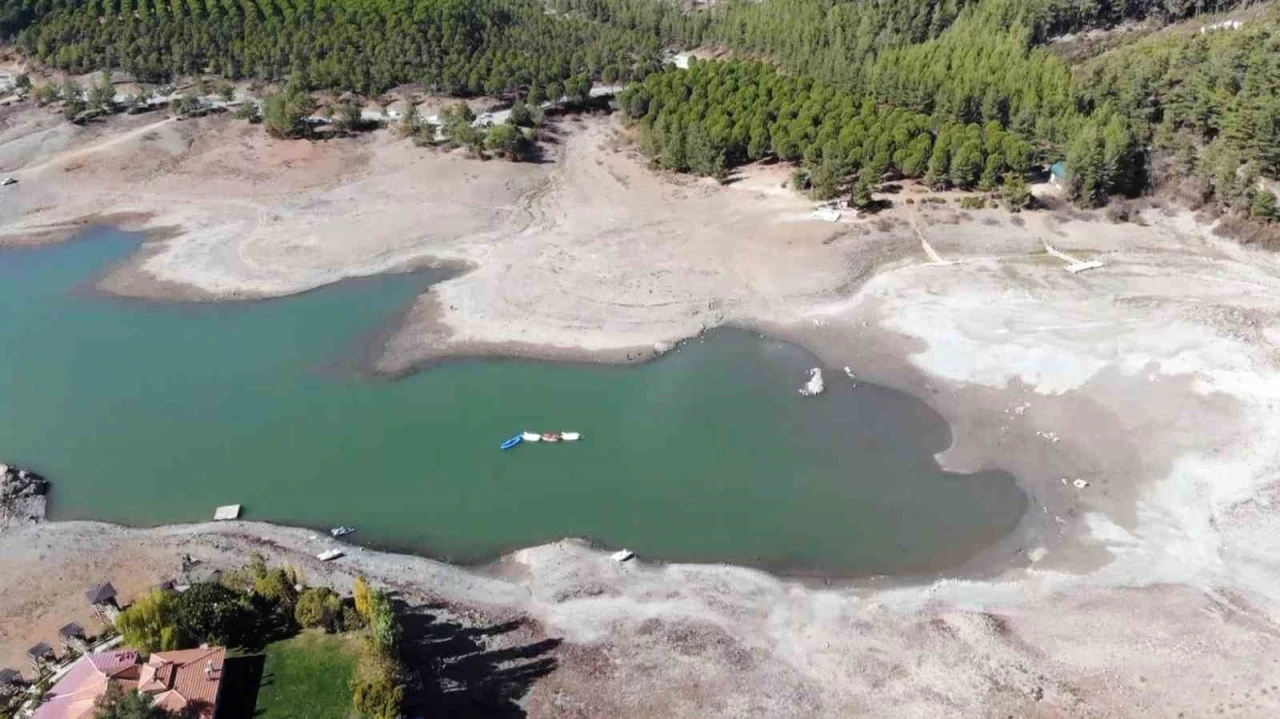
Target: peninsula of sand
<point x="1138" y="404"/>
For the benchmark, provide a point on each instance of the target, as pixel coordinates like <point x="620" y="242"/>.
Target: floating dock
<point x="226" y="513"/>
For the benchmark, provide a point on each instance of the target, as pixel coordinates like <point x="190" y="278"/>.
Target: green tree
<point x="520" y="115"/>
<point x="966" y="164"/>
<point x="1016" y="193"/>
<point x="1263" y="206"/>
<point x="279" y="587"/>
<point x="458" y="127"/>
<point x="348" y="119"/>
<point x="862" y="198"/>
<point x="285" y="113"/>
<point x="507" y="141"/>
<point x="214" y="614"/>
<point x="1086" y="183"/>
<point x="102" y="94"/>
<point x="319" y="607"/>
<point x="151" y="623"/>
<point x="248" y="111"/>
<point x="383" y="623"/>
<point x="991" y="172"/>
<point x="578" y="89"/>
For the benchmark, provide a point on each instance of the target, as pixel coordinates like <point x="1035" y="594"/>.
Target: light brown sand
<point x="1152" y="591"/>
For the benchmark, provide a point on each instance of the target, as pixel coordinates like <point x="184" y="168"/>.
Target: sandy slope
<point x="1150" y="592"/>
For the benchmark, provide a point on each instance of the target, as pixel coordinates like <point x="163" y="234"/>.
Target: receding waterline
<point x="151" y="413"/>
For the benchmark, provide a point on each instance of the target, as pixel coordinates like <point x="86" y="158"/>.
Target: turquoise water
<point x="149" y="413"/>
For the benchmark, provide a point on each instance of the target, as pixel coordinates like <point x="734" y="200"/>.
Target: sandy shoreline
<point x="1153" y="379"/>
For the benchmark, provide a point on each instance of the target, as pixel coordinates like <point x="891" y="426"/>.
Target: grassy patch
<point x="308" y="677"/>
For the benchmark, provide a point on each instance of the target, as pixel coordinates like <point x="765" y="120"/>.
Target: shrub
<point x="319" y="607"/>
<point x="377" y="689"/>
<point x="972" y="203"/>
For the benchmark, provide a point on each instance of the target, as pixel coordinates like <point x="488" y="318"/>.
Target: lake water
<point x="147" y="413"/>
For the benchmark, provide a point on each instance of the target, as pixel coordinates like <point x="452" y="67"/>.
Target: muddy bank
<point x="700" y="641"/>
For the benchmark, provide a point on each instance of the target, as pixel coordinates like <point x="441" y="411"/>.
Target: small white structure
<point x="1074" y="265"/>
<point x="827" y="214"/>
<point x="226" y="513"/>
<point x="329" y="555"/>
<point x="815" y="385"/>
<point x="623" y="555"/>
<point x="8" y="181"/>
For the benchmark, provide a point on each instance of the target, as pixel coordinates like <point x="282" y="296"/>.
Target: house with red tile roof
<point x="187" y="681"/>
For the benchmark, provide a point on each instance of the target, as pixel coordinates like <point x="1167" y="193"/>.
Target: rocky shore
<point x="23" y="497"/>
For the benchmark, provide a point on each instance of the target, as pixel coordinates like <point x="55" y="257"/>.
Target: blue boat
<point x="512" y="442"/>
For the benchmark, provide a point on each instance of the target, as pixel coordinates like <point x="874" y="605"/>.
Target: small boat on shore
<point x="342" y="531"/>
<point x="511" y="442"/>
<point x="570" y="436"/>
<point x="623" y="555"/>
<point x="531" y="436"/>
<point x="551" y="437"/>
<point x="329" y="555"/>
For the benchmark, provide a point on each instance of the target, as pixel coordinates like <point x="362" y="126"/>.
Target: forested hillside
<point x="963" y="92"/>
<point x="923" y="78"/>
<point x="458" y="46"/>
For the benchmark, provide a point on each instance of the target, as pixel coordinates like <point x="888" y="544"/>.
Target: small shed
<point x="73" y="637"/>
<point x="41" y="655"/>
<point x="1058" y="173"/>
<point x="102" y="597"/>
<point x="101" y="594"/>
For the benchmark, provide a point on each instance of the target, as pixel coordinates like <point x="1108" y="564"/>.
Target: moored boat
<point x="551" y="437"/>
<point x="342" y="531"/>
<point x="570" y="436"/>
<point x="531" y="436"/>
<point x="511" y="442"/>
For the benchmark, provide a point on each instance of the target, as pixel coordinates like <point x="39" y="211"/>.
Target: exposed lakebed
<point x="147" y="413"/>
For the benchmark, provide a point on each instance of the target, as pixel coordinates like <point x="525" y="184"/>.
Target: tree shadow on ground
<point x="457" y="675"/>
<point x="241" y="678"/>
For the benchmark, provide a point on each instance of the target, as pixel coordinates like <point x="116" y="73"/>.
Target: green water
<point x="148" y="413"/>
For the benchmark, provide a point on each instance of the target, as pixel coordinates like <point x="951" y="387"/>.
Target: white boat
<point x="623" y="555"/>
<point x="570" y="436"/>
<point x="329" y="555"/>
<point x="342" y="531"/>
<point x="8" y="181"/>
<point x="531" y="436"/>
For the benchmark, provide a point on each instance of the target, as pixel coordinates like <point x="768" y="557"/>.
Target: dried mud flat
<point x="1151" y="591"/>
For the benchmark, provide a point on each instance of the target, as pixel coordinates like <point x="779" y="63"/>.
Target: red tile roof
<point x="192" y="677"/>
<point x="179" y="681"/>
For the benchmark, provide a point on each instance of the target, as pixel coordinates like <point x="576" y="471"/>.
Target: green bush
<point x="319" y="607"/>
